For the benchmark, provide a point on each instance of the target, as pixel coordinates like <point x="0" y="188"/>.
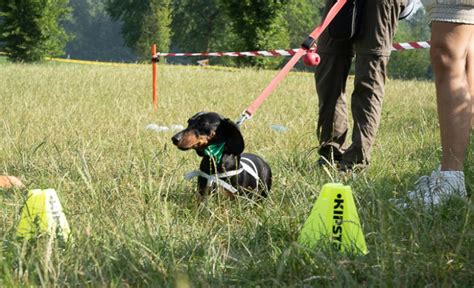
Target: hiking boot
<point x="345" y="166"/>
<point x="329" y="156"/>
<point x="325" y="161"/>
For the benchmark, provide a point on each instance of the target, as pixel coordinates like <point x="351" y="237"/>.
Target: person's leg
<point x="450" y="43"/>
<point x="372" y="48"/>
<point x="470" y="77"/>
<point x="367" y="99"/>
<point x="452" y="61"/>
<point x="331" y="76"/>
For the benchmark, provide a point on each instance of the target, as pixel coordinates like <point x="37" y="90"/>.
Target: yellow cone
<point x="42" y="213"/>
<point x="334" y="218"/>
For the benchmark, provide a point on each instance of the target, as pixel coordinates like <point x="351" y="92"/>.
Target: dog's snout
<point x="176" y="138"/>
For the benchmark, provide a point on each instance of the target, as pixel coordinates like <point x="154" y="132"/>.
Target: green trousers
<point x="371" y="48"/>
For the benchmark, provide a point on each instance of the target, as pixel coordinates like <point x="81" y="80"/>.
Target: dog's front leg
<point x="203" y="189"/>
<point x="229" y="194"/>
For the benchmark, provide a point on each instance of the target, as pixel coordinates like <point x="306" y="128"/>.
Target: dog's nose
<point x="176" y="139"/>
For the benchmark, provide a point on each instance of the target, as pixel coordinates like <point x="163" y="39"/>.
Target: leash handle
<point x="248" y="113"/>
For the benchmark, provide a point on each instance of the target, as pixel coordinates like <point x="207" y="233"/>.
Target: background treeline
<point x="124" y="30"/>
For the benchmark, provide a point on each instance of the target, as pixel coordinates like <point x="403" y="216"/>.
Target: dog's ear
<point x="234" y="140"/>
<point x="200" y="153"/>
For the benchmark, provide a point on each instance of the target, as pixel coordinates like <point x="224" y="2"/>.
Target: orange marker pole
<point x="154" y="59"/>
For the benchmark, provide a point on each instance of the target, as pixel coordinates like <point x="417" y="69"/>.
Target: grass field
<point x="135" y="221"/>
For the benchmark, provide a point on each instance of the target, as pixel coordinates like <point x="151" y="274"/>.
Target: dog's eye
<point x="205" y="130"/>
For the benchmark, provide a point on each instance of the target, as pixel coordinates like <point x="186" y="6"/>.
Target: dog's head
<point x="206" y="128"/>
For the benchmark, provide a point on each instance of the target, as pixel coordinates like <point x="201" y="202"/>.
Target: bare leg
<point x="452" y="55"/>
<point x="470" y="77"/>
<point x="449" y="56"/>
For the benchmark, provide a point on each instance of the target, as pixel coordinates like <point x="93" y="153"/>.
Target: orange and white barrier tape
<point x="411" y="45"/>
<point x="284" y="52"/>
<point x="271" y="53"/>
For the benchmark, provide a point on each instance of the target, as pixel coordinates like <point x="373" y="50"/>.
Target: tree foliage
<point x="199" y="25"/>
<point x="145" y="22"/>
<point x="302" y="17"/>
<point x="259" y="25"/>
<point x="31" y="29"/>
<point x="96" y="36"/>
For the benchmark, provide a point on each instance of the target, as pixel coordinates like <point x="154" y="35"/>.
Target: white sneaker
<point x="440" y="185"/>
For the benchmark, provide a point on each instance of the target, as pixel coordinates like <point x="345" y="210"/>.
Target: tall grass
<point x="136" y="222"/>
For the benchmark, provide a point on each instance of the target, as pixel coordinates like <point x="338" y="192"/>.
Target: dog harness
<point x="247" y="166"/>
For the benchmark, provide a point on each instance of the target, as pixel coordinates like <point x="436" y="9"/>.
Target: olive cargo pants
<point x="372" y="48"/>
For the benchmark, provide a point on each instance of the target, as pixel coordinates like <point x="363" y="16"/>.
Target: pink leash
<point x="307" y="45"/>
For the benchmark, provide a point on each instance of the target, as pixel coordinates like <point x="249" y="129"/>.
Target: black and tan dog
<point x="220" y="144"/>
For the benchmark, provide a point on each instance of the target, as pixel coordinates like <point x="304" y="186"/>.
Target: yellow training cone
<point x="43" y="213"/>
<point x="334" y="218"/>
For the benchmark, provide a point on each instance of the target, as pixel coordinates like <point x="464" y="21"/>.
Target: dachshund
<point x="8" y="182"/>
<point x="220" y="144"/>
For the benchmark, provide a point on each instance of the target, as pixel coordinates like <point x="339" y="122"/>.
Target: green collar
<point x="215" y="151"/>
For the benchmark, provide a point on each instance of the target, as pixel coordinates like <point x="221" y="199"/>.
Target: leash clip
<point x="245" y="116"/>
<point x="308" y="43"/>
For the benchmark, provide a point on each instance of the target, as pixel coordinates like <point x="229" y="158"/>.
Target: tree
<point x="200" y="25"/>
<point x="302" y="16"/>
<point x="96" y="36"/>
<point x="211" y="25"/>
<point x="259" y="25"/>
<point x="31" y="29"/>
<point x="144" y="22"/>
